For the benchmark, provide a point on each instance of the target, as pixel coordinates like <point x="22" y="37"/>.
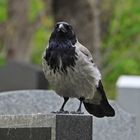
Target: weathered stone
<point x="27" y="127"/>
<point x="17" y="76"/>
<point x="73" y="127"/>
<point x="25" y="133"/>
<point x="128" y="97"/>
<point x="46" y="127"/>
<point x="122" y="126"/>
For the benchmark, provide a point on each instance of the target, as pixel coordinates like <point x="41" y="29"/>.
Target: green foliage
<point x="3" y="10"/>
<point x="36" y="6"/>
<point x="41" y="36"/>
<point x="39" y="43"/>
<point x="122" y="45"/>
<point x="2" y="60"/>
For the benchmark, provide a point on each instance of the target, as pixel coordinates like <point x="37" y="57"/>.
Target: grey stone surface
<point x="128" y="97"/>
<point x="28" y="121"/>
<point x="27" y="127"/>
<point x="77" y="127"/>
<point x="32" y="102"/>
<point x="17" y="76"/>
<point x="25" y="134"/>
<point x="57" y="127"/>
<point x="120" y="127"/>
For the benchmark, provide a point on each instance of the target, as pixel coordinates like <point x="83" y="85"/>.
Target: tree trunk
<point x="19" y="30"/>
<point x="97" y="30"/>
<point x="18" y="34"/>
<point x="106" y="12"/>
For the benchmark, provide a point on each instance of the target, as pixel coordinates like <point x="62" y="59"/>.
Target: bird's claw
<point x="76" y="112"/>
<point x="60" y="112"/>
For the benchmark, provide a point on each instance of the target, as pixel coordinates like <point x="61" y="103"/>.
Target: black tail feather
<point x="103" y="108"/>
<point x="100" y="110"/>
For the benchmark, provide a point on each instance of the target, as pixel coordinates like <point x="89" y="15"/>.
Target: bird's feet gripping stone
<point x="60" y="112"/>
<point x="77" y="112"/>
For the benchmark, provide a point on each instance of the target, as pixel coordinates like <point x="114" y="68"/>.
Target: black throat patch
<point x="60" y="56"/>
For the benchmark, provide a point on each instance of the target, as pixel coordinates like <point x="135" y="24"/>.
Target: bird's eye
<point x="68" y="27"/>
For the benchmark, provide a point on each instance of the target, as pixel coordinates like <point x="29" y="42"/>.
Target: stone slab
<point x="75" y="127"/>
<point x="28" y="127"/>
<point x="18" y="76"/>
<point x="122" y="126"/>
<point x="46" y="127"/>
<point x="33" y="102"/>
<point x="129" y="81"/>
<point x="128" y="97"/>
<point x="25" y="133"/>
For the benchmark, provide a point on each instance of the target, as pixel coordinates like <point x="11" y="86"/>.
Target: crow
<point x="71" y="72"/>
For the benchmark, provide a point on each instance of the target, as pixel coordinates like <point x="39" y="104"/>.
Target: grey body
<point x="78" y="82"/>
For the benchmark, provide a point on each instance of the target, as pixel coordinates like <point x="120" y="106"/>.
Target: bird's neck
<point x="58" y="37"/>
<point x="61" y="55"/>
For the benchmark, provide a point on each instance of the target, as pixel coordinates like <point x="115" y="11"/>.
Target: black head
<point x="63" y="32"/>
<point x="61" y="46"/>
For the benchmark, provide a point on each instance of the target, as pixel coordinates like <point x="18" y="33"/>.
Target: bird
<point x="70" y="70"/>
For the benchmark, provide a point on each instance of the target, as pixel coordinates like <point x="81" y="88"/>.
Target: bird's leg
<point x="81" y="101"/>
<point x="64" y="103"/>
<point x="79" y="111"/>
<point x="62" y="107"/>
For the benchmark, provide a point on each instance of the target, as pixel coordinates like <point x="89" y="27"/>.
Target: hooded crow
<point x="71" y="72"/>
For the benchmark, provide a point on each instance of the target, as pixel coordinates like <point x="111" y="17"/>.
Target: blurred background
<point x="109" y="29"/>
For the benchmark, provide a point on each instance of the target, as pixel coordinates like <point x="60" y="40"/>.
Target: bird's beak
<point x="62" y="28"/>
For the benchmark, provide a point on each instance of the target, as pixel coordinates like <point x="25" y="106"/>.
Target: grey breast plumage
<point x="80" y="80"/>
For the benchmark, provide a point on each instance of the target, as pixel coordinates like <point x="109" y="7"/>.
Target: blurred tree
<point x="107" y="8"/>
<point x="122" y="44"/>
<point x="87" y="16"/>
<point x="17" y="31"/>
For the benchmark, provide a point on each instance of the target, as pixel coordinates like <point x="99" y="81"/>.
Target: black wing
<point x="102" y="108"/>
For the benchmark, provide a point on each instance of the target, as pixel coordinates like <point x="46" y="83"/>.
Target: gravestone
<point x="128" y="97"/>
<point x="46" y="127"/>
<point x="17" y="76"/>
<point x="25" y="133"/>
<point x="122" y="126"/>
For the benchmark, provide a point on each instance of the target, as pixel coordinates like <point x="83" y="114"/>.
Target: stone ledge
<point x="57" y="127"/>
<point x="45" y="101"/>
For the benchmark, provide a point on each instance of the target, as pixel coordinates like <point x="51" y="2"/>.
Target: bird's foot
<point x="60" y="112"/>
<point x="77" y="112"/>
